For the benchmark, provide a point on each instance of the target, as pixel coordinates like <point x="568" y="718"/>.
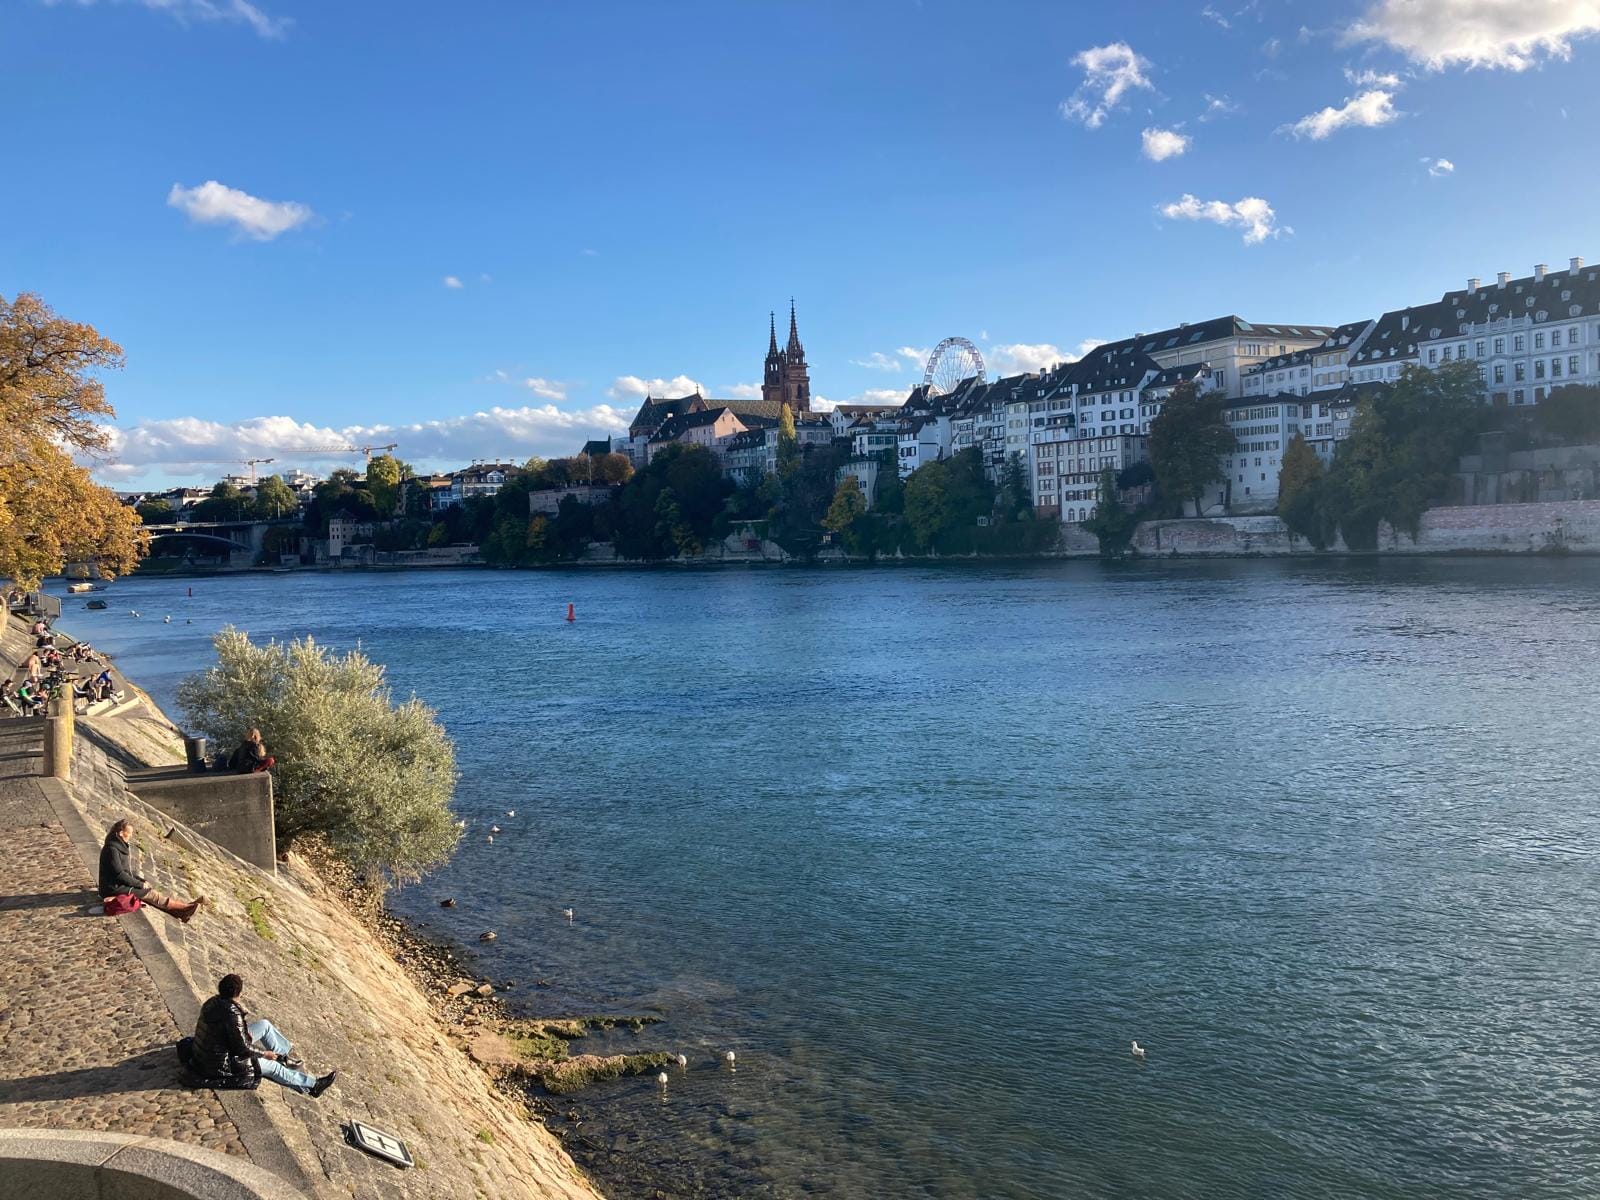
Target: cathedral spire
<point x="772" y="336"/>
<point x="794" y="346"/>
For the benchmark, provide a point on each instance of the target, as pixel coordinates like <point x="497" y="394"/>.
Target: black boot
<point x="323" y="1084"/>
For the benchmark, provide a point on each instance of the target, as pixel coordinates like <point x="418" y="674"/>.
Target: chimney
<point x="1538" y="272"/>
<point x="1575" y="265"/>
<point x="1504" y="278"/>
<point x="1472" y="285"/>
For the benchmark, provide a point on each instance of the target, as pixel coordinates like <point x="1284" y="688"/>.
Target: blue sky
<point x="263" y="201"/>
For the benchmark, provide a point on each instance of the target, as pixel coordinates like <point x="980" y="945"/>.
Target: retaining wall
<point x="1569" y="526"/>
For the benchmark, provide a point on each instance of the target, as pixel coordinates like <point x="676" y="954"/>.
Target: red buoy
<point x="572" y="614"/>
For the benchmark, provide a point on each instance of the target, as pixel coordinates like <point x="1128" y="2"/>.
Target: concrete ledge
<point x="50" y="1164"/>
<point x="234" y="811"/>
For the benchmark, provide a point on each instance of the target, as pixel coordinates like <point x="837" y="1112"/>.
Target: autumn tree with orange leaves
<point x="51" y="407"/>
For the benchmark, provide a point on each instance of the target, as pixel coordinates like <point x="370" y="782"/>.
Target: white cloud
<point x="546" y="389"/>
<point x="1252" y="214"/>
<point x="240" y="12"/>
<point x="450" y="281"/>
<point x="1272" y="47"/>
<point x="881" y="397"/>
<point x="1109" y="73"/>
<point x="1089" y="344"/>
<point x="631" y="387"/>
<point x="742" y="391"/>
<point x="214" y="204"/>
<point x="1369" y="110"/>
<point x="916" y="357"/>
<point x="1217" y="106"/>
<point x="1509" y="34"/>
<point x="1162" y="144"/>
<point x="1019" y="357"/>
<point x="499" y="433"/>
<point x="1369" y="78"/>
<point x="1439" y="167"/>
<point x="879" y="361"/>
<point x="1212" y="14"/>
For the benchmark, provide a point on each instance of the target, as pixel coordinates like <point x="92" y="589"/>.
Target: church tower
<point x="772" y="374"/>
<point x="796" y="375"/>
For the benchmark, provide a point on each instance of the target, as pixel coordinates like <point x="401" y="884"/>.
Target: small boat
<point x="95" y="604"/>
<point x="80" y="587"/>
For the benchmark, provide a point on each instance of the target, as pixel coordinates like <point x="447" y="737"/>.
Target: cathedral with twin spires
<point x="786" y="379"/>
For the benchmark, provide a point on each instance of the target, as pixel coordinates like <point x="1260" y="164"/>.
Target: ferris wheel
<point x="952" y="360"/>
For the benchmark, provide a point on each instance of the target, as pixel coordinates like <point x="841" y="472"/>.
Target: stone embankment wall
<point x="310" y="966"/>
<point x="1571" y="526"/>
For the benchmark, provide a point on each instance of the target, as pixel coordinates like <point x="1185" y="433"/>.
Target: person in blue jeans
<point x="225" y="1042"/>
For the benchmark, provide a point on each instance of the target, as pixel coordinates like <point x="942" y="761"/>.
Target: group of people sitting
<point x="228" y="1048"/>
<point x="45" y="670"/>
<point x="25" y="699"/>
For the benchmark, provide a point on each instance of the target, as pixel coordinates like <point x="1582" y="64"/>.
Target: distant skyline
<point x="487" y="231"/>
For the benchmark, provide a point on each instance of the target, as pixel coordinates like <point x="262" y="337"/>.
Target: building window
<point x="1520" y="371"/>
<point x="1499" y="372"/>
<point x="1538" y="341"/>
<point x="1517" y="343"/>
<point x="1433" y="357"/>
<point x="1446" y="354"/>
<point x="1499" y="345"/>
<point x="1519" y="396"/>
<point x="1572" y="364"/>
<point x="1555" y="368"/>
<point x="1477" y="348"/>
<point x="1538" y="368"/>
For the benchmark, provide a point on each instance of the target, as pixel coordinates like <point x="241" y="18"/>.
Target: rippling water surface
<point x="929" y="848"/>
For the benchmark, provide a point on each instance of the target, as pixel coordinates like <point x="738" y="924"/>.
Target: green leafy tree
<point x="372" y="776"/>
<point x="155" y="511"/>
<point x="1570" y="416"/>
<point x="613" y="468"/>
<point x="788" y="443"/>
<point x="699" y="492"/>
<point x="1016" y="499"/>
<point x="274" y="499"/>
<point x="847" y="506"/>
<point x="1112" y="524"/>
<point x="226" y="503"/>
<point x="384" y="474"/>
<point x="1187" y="441"/>
<point x="927" y="503"/>
<point x="1300" y="493"/>
<point x="891" y="493"/>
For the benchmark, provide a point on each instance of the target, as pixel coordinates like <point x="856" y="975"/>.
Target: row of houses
<point x="1281" y="379"/>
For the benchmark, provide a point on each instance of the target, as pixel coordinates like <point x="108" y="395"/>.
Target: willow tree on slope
<point x="373" y="777"/>
<point x="51" y="408"/>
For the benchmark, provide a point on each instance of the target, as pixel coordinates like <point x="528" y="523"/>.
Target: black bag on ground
<point x="247" y="1083"/>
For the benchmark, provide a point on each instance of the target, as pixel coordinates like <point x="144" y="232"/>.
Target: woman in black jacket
<point x="117" y="877"/>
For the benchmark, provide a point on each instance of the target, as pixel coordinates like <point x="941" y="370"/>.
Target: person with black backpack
<point x="230" y="1048"/>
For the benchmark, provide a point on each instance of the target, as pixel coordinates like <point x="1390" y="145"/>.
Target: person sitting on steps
<point x="251" y="756"/>
<point x="225" y="1042"/>
<point x="117" y="877"/>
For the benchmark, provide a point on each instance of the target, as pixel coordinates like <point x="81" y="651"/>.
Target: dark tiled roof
<point x="1559" y="296"/>
<point x="1345" y="334"/>
<point x="1173" y="376"/>
<point x="597" y="446"/>
<point x="653" y="412"/>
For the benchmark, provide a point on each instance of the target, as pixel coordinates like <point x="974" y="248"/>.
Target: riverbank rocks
<point x="485" y="990"/>
<point x="458" y="989"/>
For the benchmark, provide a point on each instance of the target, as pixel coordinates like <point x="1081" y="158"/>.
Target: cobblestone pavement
<point x="86" y="1041"/>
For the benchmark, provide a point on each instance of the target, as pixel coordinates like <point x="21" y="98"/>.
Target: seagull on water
<point x="568" y="914"/>
<point x="682" y="1061"/>
<point x="728" y="1057"/>
<point x="494" y="829"/>
<point x="1138" y="1051"/>
<point x="511" y="812"/>
<point x="662" y="1079"/>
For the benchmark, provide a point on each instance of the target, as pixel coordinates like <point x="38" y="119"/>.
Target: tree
<point x="1402" y="453"/>
<point x="384" y="474"/>
<point x="226" y="503"/>
<point x="788" y="442"/>
<point x="613" y="468"/>
<point x="1300" y="497"/>
<point x="373" y="777"/>
<point x="891" y="489"/>
<point x="847" y="505"/>
<point x="1570" y="415"/>
<point x="1016" y="500"/>
<point x="275" y="498"/>
<point x="157" y="510"/>
<point x="51" y="406"/>
<point x="1112" y="524"/>
<point x="927" y="503"/>
<point x="1187" y="441"/>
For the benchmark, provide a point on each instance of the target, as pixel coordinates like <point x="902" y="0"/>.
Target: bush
<point x="373" y="777"/>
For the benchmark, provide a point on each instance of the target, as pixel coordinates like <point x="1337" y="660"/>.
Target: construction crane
<point x="231" y="462"/>
<point x="362" y="450"/>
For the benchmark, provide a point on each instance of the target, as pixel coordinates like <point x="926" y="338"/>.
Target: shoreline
<point x="435" y="964"/>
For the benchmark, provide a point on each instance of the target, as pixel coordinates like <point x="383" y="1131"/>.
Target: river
<point x="930" y="847"/>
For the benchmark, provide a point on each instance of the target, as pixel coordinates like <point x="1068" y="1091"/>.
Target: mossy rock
<point x="574" y="1074"/>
